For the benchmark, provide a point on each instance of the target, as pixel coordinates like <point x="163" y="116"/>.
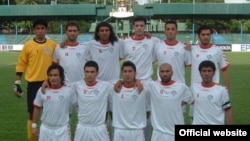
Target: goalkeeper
<point x="34" y="60"/>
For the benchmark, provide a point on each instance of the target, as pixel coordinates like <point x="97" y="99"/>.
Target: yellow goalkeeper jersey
<point x="35" y="58"/>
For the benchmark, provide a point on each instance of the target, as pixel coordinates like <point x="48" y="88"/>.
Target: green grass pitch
<point x="13" y="113"/>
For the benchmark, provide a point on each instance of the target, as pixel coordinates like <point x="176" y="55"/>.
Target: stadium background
<point x="13" y="111"/>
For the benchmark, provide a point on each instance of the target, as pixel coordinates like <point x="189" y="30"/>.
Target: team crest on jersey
<point x="134" y="97"/>
<point x="197" y="55"/>
<point x="111" y="50"/>
<point x="96" y="92"/>
<point x="145" y="46"/>
<point x="173" y="93"/>
<point x="209" y="57"/>
<point x="161" y="91"/>
<point x="164" y="52"/>
<point x="61" y="97"/>
<point x="78" y="54"/>
<point x="47" y="51"/>
<point x="176" y="53"/>
<point x="209" y="97"/>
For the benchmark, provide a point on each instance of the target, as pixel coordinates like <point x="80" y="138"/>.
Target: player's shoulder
<point x="195" y="84"/>
<point x="59" y="48"/>
<point x="77" y="83"/>
<point x="83" y="44"/>
<point x="29" y="42"/>
<point x="195" y="46"/>
<point x="103" y="82"/>
<point x="129" y="39"/>
<point x="94" y="44"/>
<point x="215" y="46"/>
<point x="51" y="41"/>
<point x="181" y="84"/>
<point x="152" y="83"/>
<point x="120" y="40"/>
<point x="181" y="46"/>
<point x="155" y="40"/>
<point x="68" y="89"/>
<point x="94" y="41"/>
<point x="160" y="42"/>
<point x="222" y="87"/>
<point x="81" y="47"/>
<point x="86" y="42"/>
<point x="67" y="86"/>
<point x="179" y="43"/>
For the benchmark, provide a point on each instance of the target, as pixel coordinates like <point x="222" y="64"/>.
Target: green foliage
<point x="246" y="26"/>
<point x="54" y="26"/>
<point x="27" y="2"/>
<point x="221" y="26"/>
<point x="6" y="2"/>
<point x="67" y="1"/>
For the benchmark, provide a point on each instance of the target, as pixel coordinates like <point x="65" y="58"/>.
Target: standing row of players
<point x="107" y="51"/>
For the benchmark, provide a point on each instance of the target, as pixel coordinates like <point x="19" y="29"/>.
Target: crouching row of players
<point x="130" y="107"/>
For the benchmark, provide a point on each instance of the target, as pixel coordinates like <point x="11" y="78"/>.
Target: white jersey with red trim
<point x="92" y="102"/>
<point x="214" y="54"/>
<point x="129" y="108"/>
<point x="209" y="103"/>
<point x="166" y="105"/>
<point x="72" y="59"/>
<point x="140" y="52"/>
<point x="176" y="55"/>
<point x="107" y="57"/>
<point x="56" y="105"/>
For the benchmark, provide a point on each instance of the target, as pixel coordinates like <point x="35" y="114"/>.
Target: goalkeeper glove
<point x="17" y="89"/>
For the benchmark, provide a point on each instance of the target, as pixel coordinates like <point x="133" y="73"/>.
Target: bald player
<point x="167" y="98"/>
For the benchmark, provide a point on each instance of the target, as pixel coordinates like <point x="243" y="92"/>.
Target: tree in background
<point x="26" y="2"/>
<point x="221" y="26"/>
<point x="6" y="2"/>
